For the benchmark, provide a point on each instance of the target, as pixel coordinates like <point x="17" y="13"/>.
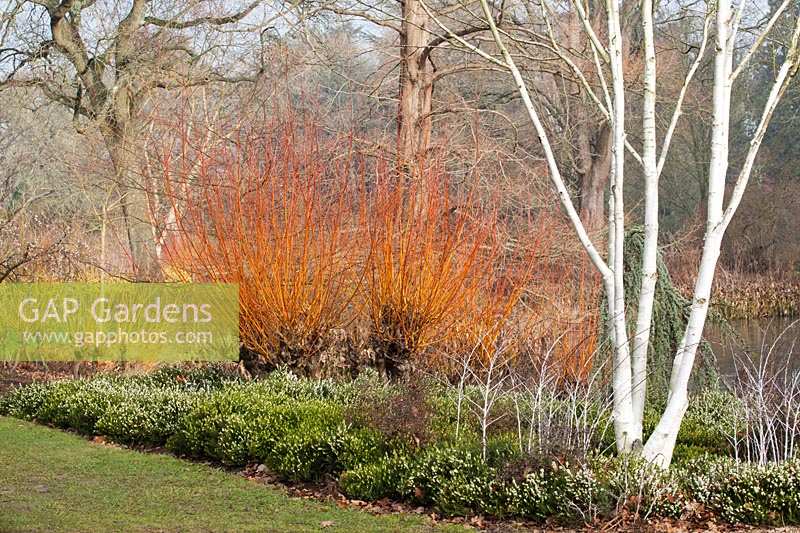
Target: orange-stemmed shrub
<point x="494" y="324"/>
<point x="271" y="210"/>
<point x="430" y="255"/>
<point x="344" y="261"/>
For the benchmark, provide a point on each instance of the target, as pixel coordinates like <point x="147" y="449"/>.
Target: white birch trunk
<point x="624" y="423"/>
<point x="641" y="339"/>
<point x="661" y="444"/>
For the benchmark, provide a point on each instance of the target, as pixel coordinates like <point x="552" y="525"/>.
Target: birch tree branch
<point x="760" y="40"/>
<point x="786" y="74"/>
<point x="682" y="96"/>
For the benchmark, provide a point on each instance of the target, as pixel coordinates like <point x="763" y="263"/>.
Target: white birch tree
<point x="722" y="22"/>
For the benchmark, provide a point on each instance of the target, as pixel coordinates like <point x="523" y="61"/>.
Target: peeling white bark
<point x="644" y="316"/>
<point x="630" y="365"/>
<point x="661" y="444"/>
<point x="625" y="427"/>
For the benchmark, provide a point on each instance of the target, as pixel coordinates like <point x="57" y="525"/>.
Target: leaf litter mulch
<point x="622" y="522"/>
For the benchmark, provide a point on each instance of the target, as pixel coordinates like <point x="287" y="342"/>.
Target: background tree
<point x="104" y="59"/>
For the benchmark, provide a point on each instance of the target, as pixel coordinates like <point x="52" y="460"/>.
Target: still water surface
<point x="755" y="337"/>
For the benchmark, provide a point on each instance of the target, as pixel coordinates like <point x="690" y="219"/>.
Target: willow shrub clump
<point x="269" y="211"/>
<point x="341" y="263"/>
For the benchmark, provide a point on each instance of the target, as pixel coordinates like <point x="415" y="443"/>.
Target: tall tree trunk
<point x="661" y="444"/>
<point x="625" y="426"/>
<point x="133" y="205"/>
<point x="595" y="169"/>
<point x="644" y="308"/>
<point x="416" y="86"/>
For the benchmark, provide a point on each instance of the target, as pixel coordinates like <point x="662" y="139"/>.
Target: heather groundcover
<point x="419" y="443"/>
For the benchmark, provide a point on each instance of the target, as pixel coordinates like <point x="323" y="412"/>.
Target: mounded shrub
<point x="556" y="490"/>
<point x="455" y="481"/>
<point x="300" y="429"/>
<point x="76" y="405"/>
<point x="123" y="403"/>
<point x="363" y="446"/>
<point x="24" y="402"/>
<point x="301" y="441"/>
<point x="295" y="432"/>
<point x="745" y="492"/>
<point x="383" y="478"/>
<point x="147" y="416"/>
<point x="213" y="429"/>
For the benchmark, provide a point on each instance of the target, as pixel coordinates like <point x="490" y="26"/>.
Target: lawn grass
<point x="56" y="481"/>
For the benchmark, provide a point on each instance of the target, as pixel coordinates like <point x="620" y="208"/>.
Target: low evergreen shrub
<point x="385" y="477"/>
<point x="745" y="492"/>
<point x="455" y="481"/>
<point x="305" y="430"/>
<point x="146" y="416"/>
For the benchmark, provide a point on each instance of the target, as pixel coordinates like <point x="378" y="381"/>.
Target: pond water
<point x="778" y="337"/>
